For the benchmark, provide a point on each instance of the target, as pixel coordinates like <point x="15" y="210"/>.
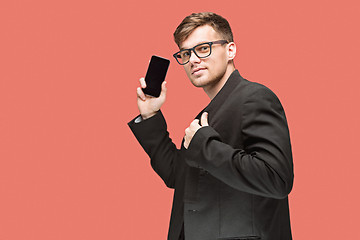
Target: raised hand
<point x="148" y="105"/>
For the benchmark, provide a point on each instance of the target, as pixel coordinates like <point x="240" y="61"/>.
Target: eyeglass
<point x="202" y="50"/>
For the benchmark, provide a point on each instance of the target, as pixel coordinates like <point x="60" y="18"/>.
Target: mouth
<point x="196" y="70"/>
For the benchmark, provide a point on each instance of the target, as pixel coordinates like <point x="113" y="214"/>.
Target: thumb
<point x="204" y="119"/>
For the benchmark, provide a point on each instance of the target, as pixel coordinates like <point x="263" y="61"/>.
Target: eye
<point x="202" y="48"/>
<point x="185" y="54"/>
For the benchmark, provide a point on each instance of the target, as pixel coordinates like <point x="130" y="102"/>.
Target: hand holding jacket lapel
<point x="194" y="127"/>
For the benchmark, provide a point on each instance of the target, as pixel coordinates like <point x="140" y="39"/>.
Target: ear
<point x="231" y="50"/>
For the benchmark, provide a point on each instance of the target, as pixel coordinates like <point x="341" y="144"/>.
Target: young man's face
<point x="206" y="72"/>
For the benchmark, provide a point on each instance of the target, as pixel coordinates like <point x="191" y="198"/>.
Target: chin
<point x="199" y="82"/>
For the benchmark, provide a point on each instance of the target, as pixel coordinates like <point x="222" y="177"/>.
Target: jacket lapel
<point x="216" y="103"/>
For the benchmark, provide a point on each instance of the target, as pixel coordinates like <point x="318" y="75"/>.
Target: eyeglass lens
<point x="201" y="51"/>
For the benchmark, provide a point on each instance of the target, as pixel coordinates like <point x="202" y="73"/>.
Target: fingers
<point x="195" y="123"/>
<point x="194" y="126"/>
<point x="187" y="132"/>
<point x="163" y="89"/>
<point x="140" y="94"/>
<point x="190" y="131"/>
<point x="139" y="90"/>
<point x="187" y="137"/>
<point x="204" y="119"/>
<point x="142" y="82"/>
<point x="186" y="144"/>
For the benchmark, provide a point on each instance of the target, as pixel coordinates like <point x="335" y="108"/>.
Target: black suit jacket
<point x="233" y="180"/>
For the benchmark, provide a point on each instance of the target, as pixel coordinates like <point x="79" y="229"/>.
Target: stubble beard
<point x="206" y="83"/>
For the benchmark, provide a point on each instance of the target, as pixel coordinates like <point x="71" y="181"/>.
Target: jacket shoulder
<point x="250" y="88"/>
<point x="248" y="91"/>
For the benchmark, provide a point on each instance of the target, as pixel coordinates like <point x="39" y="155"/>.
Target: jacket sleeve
<point x="153" y="136"/>
<point x="264" y="165"/>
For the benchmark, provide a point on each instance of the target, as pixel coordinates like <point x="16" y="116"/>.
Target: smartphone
<point x="155" y="75"/>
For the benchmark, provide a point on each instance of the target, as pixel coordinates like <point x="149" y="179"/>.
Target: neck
<point x="212" y="90"/>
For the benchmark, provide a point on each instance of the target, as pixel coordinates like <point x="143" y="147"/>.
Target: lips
<point x="195" y="70"/>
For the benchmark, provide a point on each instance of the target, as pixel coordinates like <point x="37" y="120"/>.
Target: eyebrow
<point x="194" y="45"/>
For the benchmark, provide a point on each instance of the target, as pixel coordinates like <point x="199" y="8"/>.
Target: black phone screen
<point x="155" y="75"/>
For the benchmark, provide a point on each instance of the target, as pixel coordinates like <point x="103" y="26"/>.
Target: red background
<point x="70" y="167"/>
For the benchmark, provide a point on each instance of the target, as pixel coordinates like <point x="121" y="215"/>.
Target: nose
<point x="193" y="57"/>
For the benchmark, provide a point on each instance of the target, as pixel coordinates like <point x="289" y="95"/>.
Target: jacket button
<point x="193" y="210"/>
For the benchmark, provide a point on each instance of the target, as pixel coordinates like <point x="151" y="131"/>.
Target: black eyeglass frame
<point x="193" y="49"/>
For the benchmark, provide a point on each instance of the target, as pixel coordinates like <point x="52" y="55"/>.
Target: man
<point x="234" y="170"/>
